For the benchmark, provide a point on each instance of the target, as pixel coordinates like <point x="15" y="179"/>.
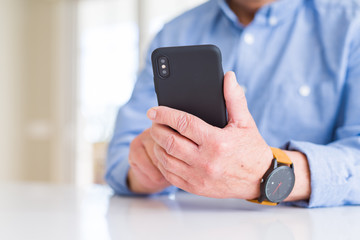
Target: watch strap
<point x="281" y="156"/>
<point x="263" y="202"/>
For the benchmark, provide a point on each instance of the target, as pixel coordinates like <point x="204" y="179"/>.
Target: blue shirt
<point x="299" y="61"/>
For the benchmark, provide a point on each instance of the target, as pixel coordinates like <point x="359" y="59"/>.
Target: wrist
<point x="266" y="161"/>
<point x="262" y="165"/>
<point x="302" y="187"/>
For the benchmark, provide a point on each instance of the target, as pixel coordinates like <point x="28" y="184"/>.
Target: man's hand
<point x="209" y="161"/>
<point x="143" y="176"/>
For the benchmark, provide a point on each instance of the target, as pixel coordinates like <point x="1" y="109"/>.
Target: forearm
<point x="302" y="187"/>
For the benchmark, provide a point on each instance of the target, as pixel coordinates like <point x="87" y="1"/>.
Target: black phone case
<point x="194" y="83"/>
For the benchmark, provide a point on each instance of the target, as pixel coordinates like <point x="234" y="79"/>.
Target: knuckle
<point x="220" y="148"/>
<point x="170" y="144"/>
<point x="183" y="122"/>
<point x="167" y="164"/>
<point x="212" y="169"/>
<point x="164" y="162"/>
<point x="133" y="164"/>
<point x="209" y="168"/>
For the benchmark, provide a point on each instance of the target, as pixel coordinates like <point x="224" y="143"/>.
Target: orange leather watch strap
<point x="263" y="202"/>
<point x="281" y="156"/>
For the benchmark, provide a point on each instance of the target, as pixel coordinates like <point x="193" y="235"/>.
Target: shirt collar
<point x="270" y="14"/>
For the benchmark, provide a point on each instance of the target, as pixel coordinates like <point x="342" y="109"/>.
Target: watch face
<point x="279" y="184"/>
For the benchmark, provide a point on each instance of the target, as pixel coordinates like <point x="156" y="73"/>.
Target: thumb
<point x="235" y="99"/>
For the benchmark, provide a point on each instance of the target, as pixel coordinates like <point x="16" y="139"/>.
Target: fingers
<point x="148" y="143"/>
<point x="141" y="163"/>
<point x="236" y="103"/>
<point x="140" y="182"/>
<point x="174" y="144"/>
<point x="186" y="124"/>
<point x="172" y="164"/>
<point x="175" y="171"/>
<point x="174" y="179"/>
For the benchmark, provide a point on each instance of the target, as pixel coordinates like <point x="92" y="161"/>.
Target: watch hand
<point x="277" y="188"/>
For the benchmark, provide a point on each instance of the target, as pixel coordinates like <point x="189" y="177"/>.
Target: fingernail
<point x="151" y="114"/>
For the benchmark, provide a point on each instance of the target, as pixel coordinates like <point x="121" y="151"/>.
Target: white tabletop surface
<point x="43" y="211"/>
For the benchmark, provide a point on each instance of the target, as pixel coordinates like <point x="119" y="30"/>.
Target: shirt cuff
<point x="327" y="188"/>
<point x="117" y="178"/>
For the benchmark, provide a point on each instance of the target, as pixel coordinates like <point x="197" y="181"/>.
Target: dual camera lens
<point x="163" y="65"/>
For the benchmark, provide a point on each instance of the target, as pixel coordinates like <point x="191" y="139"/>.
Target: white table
<point x="42" y="211"/>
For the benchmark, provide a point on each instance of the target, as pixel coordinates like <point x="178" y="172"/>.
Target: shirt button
<point x="304" y="90"/>
<point x="249" y="38"/>
<point x="273" y="21"/>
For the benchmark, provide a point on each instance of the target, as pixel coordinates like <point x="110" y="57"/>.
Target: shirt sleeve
<point x="335" y="167"/>
<point x="130" y="122"/>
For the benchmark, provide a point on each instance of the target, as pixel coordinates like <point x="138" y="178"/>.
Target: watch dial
<point x="279" y="184"/>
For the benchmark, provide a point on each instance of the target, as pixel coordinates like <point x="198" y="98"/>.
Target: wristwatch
<point x="278" y="181"/>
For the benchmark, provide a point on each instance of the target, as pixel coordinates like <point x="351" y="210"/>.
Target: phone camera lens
<point x="163" y="67"/>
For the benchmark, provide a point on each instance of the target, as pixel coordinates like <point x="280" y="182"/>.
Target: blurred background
<point x="66" y="66"/>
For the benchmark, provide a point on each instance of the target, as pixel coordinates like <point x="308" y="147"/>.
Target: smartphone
<point x="190" y="79"/>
